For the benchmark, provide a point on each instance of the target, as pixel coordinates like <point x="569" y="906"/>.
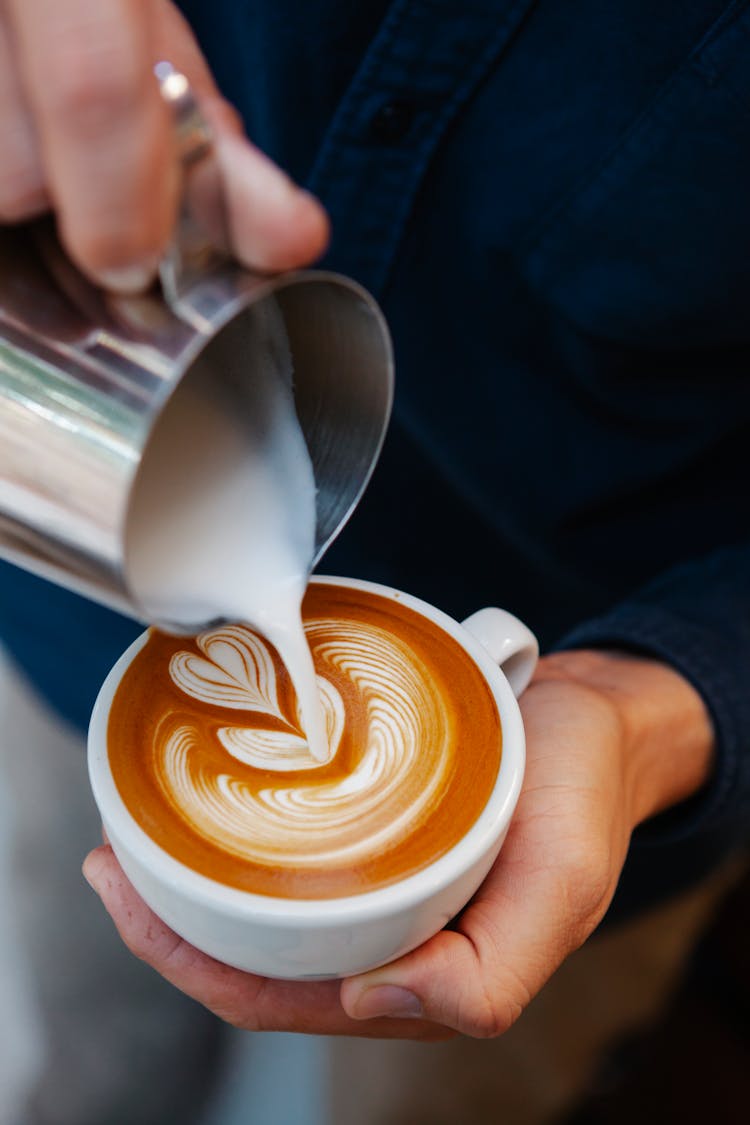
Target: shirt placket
<point x="419" y="72"/>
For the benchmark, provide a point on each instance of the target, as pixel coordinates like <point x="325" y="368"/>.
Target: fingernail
<point x="129" y="280"/>
<point x="388" y="1000"/>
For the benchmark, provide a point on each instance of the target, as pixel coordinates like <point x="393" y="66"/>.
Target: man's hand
<point x="611" y="740"/>
<point x="85" y="132"/>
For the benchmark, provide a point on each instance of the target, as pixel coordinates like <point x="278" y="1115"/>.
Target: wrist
<point x="667" y="738"/>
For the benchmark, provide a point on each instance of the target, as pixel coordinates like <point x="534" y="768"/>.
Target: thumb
<point x="478" y="978"/>
<point x="444" y="981"/>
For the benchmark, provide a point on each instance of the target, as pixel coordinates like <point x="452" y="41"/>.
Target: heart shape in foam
<point x="237" y="671"/>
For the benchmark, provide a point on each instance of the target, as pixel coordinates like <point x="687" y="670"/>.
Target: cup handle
<point x="508" y="641"/>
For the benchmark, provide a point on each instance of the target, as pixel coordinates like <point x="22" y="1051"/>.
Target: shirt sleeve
<point x="695" y="617"/>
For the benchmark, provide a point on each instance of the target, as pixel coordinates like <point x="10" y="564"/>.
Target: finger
<point x="104" y="131"/>
<point x="274" y="225"/>
<point x="22" y="192"/>
<point x="476" y="979"/>
<point x="242" y="999"/>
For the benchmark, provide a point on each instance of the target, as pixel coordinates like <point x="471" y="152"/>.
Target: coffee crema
<point x="207" y="751"/>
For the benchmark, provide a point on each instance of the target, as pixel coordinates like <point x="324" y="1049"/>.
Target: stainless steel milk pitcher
<point x="85" y="374"/>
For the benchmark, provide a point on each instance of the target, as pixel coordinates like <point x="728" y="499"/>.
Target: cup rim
<point x="392" y="898"/>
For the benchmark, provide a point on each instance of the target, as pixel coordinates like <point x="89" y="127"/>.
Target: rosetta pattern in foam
<point x="323" y="820"/>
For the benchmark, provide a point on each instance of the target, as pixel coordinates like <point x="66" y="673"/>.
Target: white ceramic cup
<point x="318" y="938"/>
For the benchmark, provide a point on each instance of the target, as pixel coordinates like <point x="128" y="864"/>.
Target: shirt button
<point x="392" y="122"/>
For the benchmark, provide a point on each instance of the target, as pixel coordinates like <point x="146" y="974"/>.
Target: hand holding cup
<point x="596" y="727"/>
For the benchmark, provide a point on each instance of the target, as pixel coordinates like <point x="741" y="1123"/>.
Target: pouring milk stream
<point x="222" y="518"/>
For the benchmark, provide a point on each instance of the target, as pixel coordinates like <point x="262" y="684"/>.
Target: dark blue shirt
<point x="552" y="203"/>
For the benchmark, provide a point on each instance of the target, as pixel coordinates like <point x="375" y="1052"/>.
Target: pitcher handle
<point x="201" y="243"/>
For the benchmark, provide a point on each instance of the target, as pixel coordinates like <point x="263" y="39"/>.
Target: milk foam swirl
<point x="323" y="820"/>
<point x="238" y="672"/>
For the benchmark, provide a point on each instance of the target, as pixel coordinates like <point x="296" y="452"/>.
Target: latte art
<point x="238" y="671"/>
<point x="208" y="751"/>
<point x="321" y="823"/>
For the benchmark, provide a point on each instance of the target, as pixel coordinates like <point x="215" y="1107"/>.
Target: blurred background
<point x="649" y="1021"/>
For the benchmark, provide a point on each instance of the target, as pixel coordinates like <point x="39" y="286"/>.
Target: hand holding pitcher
<point x="85" y="133"/>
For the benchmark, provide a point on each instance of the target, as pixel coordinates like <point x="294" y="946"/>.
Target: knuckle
<point x="494" y="1004"/>
<point x="588" y="887"/>
<point x="486" y="1024"/>
<point x="491" y="1019"/>
<point x="91" y="90"/>
<point x="243" y="1008"/>
<point x="488" y="997"/>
